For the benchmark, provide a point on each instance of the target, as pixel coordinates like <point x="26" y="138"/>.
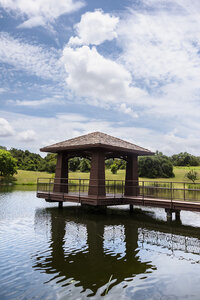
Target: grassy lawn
<point x="109" y="176"/>
<point x="178" y="171"/>
<point x="30" y="177"/>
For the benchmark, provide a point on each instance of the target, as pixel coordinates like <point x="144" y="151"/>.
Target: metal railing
<point x="180" y="191"/>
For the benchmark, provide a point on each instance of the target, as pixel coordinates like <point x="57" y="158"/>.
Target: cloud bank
<point x="40" y="12"/>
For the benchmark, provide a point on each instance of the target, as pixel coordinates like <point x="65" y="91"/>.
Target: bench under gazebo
<point x="97" y="147"/>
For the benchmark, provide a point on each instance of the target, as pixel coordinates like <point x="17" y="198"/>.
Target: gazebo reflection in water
<point x="87" y="249"/>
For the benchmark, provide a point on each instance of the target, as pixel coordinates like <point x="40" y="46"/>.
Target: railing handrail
<point x="120" y="180"/>
<point x="120" y="187"/>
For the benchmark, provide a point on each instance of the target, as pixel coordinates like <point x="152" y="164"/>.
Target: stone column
<point x="61" y="176"/>
<point x="97" y="174"/>
<point x="131" y="182"/>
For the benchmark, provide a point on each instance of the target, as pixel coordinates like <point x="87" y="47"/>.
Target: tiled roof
<point x="94" y="140"/>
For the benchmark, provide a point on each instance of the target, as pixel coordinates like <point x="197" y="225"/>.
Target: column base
<point x="169" y="214"/>
<point x="131" y="208"/>
<point x="60" y="204"/>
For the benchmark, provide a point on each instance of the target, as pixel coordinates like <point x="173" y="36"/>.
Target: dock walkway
<point x="167" y="195"/>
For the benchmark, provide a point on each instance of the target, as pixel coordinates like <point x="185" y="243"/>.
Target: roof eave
<point x="92" y="146"/>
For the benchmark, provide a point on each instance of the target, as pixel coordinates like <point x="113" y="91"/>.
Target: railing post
<point x="49" y="185"/>
<point x="184" y="191"/>
<point x="122" y="188"/>
<point x="114" y="188"/>
<point x="171" y="193"/>
<point x="79" y="189"/>
<point x="143" y="190"/>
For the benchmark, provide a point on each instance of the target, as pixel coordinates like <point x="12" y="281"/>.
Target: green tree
<point x="185" y="159"/>
<point x="49" y="164"/>
<point x="27" y="160"/>
<point x="120" y="163"/>
<point x="108" y="163"/>
<point x="85" y="165"/>
<point x="8" y="165"/>
<point x="3" y="148"/>
<point x="74" y="164"/>
<point x="192" y="175"/>
<point x="114" y="168"/>
<point x="158" y="166"/>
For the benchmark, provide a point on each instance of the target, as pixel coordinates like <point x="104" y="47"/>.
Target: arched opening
<point x="97" y="179"/>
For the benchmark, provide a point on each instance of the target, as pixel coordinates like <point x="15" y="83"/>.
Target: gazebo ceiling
<point x="97" y="140"/>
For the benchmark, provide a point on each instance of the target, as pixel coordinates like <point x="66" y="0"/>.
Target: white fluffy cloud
<point x="161" y="44"/>
<point x="40" y="12"/>
<point x="92" y="75"/>
<point x="127" y="110"/>
<point x="2" y="90"/>
<point x="95" y="28"/>
<point x="27" y="136"/>
<point x="5" y="128"/>
<point x="33" y="59"/>
<point x="44" y="131"/>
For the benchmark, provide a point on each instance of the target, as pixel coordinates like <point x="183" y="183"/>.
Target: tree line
<point x="155" y="166"/>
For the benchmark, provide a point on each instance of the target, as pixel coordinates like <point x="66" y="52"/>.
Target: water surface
<point x="47" y="253"/>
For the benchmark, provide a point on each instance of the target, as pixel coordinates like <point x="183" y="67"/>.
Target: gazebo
<point x="98" y="147"/>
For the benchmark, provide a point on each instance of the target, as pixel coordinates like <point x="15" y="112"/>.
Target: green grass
<point x="30" y="177"/>
<point x="178" y="171"/>
<point x="109" y="176"/>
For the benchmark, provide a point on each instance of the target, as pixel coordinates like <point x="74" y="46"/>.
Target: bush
<point x="8" y="165"/>
<point x="158" y="166"/>
<point x="192" y="175"/>
<point x="114" y="168"/>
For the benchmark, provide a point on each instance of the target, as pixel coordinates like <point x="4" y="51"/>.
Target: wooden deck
<point x="167" y="195"/>
<point x="118" y="199"/>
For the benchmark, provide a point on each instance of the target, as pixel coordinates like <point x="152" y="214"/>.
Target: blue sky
<point x="127" y="68"/>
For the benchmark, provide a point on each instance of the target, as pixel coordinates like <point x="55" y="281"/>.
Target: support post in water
<point x="177" y="214"/>
<point x="60" y="204"/>
<point x="131" y="208"/>
<point x="169" y="214"/>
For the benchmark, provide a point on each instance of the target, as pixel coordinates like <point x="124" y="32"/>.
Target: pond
<point x="71" y="253"/>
